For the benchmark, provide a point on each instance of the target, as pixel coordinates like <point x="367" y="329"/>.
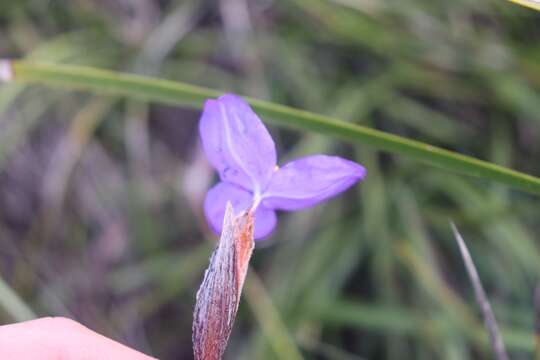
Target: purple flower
<point x="240" y="148"/>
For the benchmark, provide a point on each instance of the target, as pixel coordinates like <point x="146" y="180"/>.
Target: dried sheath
<point x="219" y="294"/>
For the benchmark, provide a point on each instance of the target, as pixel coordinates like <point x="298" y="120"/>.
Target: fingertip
<point x="60" y="338"/>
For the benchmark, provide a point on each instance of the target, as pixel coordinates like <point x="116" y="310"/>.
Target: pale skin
<point x="57" y="338"/>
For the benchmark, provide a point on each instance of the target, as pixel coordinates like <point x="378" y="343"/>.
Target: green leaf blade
<point x="176" y="93"/>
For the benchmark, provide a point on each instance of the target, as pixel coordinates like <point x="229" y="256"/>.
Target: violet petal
<point x="237" y="143"/>
<point x="305" y="182"/>
<point x="241" y="200"/>
<point x="265" y="222"/>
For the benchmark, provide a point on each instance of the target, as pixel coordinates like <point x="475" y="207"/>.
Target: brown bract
<point x="219" y="294"/>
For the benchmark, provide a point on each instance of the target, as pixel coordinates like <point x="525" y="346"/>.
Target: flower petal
<point x="216" y="199"/>
<point x="310" y="180"/>
<point x="265" y="222"/>
<point x="237" y="143"/>
<point x="215" y="203"/>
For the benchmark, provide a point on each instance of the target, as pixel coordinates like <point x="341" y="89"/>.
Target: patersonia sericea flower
<point x="240" y="148"/>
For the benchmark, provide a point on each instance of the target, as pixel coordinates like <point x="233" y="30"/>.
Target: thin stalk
<point x="532" y="4"/>
<point x="12" y="303"/>
<point x="490" y="322"/>
<point x="269" y="319"/>
<point x="537" y="321"/>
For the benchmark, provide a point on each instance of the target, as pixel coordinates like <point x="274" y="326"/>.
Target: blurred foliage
<point x="100" y="200"/>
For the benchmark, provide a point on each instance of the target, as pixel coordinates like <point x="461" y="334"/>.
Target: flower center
<point x="256" y="199"/>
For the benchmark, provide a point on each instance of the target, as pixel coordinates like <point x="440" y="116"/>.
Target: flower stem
<point x="269" y="319"/>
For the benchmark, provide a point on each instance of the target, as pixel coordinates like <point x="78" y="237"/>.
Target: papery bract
<point x="219" y="294"/>
<point x="240" y="148"/>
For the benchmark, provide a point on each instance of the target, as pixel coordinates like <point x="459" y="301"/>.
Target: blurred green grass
<point x="117" y="240"/>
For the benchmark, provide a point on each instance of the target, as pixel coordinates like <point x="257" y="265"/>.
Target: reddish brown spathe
<point x="219" y="294"/>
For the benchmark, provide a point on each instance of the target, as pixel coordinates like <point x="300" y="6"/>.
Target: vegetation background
<point x="100" y="198"/>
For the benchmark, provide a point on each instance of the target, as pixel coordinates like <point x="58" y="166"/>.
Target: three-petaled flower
<point x="240" y="148"/>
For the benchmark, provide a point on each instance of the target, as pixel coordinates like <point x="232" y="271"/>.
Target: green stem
<point x="11" y="302"/>
<point x="269" y="319"/>
<point x="176" y="93"/>
<point x="532" y="4"/>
